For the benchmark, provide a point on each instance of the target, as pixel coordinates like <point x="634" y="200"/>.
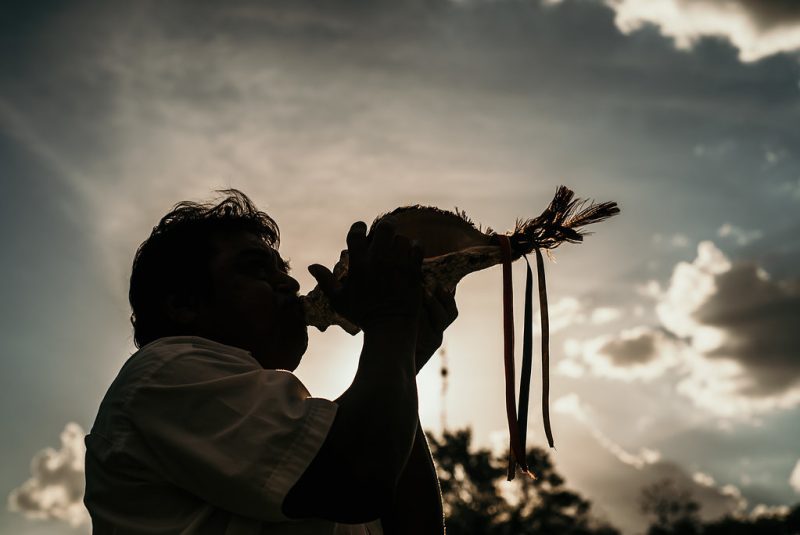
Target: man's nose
<point x="288" y="284"/>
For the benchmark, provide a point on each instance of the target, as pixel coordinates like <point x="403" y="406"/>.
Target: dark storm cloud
<point x="638" y="349"/>
<point x="760" y="317"/>
<point x="772" y="12"/>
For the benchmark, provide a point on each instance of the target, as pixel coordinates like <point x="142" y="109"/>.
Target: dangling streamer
<point x="517" y="450"/>
<point x="527" y="360"/>
<point x="545" y="348"/>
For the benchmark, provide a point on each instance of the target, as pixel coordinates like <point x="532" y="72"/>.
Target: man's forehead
<point x="235" y="245"/>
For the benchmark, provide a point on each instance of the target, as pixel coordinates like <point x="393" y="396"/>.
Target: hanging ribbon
<point x="517" y="449"/>
<point x="545" y="348"/>
<point x="518" y="426"/>
<point x="527" y="360"/>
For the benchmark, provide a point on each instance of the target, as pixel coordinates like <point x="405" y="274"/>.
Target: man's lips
<point x="295" y="306"/>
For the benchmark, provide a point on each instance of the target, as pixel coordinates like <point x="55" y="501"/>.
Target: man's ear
<point x="181" y="310"/>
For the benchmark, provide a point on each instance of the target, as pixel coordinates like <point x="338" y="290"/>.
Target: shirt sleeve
<point x="228" y="431"/>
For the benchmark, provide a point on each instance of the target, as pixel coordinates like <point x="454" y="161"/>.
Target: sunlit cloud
<point x="761" y="510"/>
<point x="570" y="311"/>
<point x="55" y="490"/>
<point x="565" y="312"/>
<point x="572" y="405"/>
<point x="727" y="330"/>
<point x="738" y="323"/>
<point x="690" y="286"/>
<point x="602" y="315"/>
<point x="639" y="353"/>
<point x="758" y="28"/>
<point x="794" y="478"/>
<point x="704" y="479"/>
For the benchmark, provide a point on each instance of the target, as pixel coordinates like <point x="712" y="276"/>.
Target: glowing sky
<point x="675" y="340"/>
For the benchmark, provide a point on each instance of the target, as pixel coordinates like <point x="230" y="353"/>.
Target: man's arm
<point x="417" y="507"/>
<point x="353" y="477"/>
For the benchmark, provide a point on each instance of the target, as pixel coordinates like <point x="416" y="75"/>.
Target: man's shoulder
<point x="168" y="361"/>
<point x="183" y="355"/>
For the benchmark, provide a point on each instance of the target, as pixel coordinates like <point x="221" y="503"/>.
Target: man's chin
<point x="301" y="350"/>
<point x="291" y="356"/>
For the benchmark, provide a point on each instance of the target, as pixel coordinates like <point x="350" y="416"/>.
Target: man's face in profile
<point x="254" y="303"/>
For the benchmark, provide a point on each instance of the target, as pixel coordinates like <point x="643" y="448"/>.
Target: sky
<point x="675" y="348"/>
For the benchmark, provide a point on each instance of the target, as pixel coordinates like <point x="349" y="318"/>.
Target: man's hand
<point x="384" y="278"/>
<point x="438" y="312"/>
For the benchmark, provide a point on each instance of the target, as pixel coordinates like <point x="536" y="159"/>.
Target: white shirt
<point x="195" y="437"/>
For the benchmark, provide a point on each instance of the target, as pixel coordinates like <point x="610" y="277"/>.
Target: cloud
<point x="794" y="478"/>
<point x="759" y="319"/>
<point x="569" y="311"/>
<point x="677" y="241"/>
<point x="740" y="327"/>
<point x="741" y="236"/>
<point x="639" y="353"/>
<point x="727" y="330"/>
<point x="632" y="347"/>
<point x="690" y="286"/>
<point x="571" y="404"/>
<point x="791" y="189"/>
<point x="55" y="490"/>
<point x="703" y="479"/>
<point x="761" y="510"/>
<point x="758" y="28"/>
<point x="565" y="312"/>
<point x="613" y="476"/>
<point x="602" y="315"/>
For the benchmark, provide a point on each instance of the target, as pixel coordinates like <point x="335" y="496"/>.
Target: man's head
<point x="213" y="270"/>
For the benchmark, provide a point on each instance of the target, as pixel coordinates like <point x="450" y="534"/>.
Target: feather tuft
<point x="561" y="221"/>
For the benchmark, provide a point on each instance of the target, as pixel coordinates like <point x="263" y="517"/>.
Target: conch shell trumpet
<point x="454" y="247"/>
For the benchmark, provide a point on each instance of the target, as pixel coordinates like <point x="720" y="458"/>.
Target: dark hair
<point x="174" y="259"/>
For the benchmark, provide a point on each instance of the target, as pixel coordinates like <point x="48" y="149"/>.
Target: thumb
<point x="325" y="279"/>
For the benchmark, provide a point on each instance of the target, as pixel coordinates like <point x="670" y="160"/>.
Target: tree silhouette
<point x="675" y="512"/>
<point x="478" y="500"/>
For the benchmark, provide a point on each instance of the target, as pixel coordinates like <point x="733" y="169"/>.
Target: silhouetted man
<point x="206" y="430"/>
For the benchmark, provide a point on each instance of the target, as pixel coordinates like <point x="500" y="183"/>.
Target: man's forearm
<point x="383" y="395"/>
<point x="354" y="475"/>
<point x="417" y="507"/>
